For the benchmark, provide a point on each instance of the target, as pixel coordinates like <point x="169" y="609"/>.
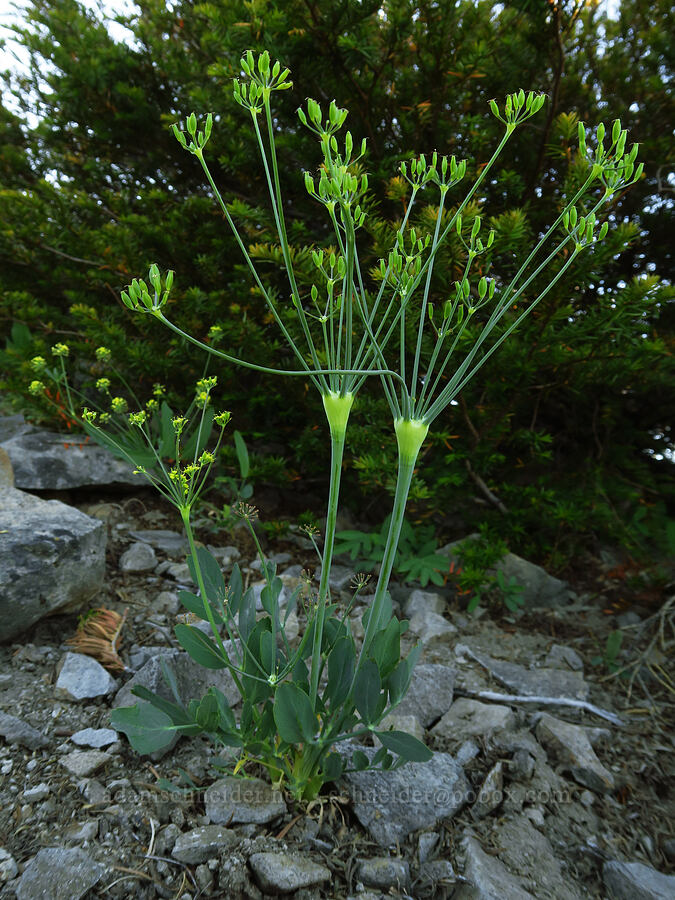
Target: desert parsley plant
<point x="302" y="700"/>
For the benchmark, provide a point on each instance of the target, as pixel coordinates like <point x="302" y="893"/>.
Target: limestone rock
<point x="562" y="657"/>
<point x="6" y="470"/>
<point x="56" y="873"/>
<point x="139" y="557"/>
<point x="94" y="737"/>
<point x="539" y="588"/>
<point x="469" y="718"/>
<point x="524" y="850"/>
<point x="283" y="873"/>
<point x="635" y="881"/>
<point x="203" y="843"/>
<point x="45" y="460"/>
<point x="384" y="872"/>
<point x="81" y="677"/>
<point x="491" y="793"/>
<point x="170" y="542"/>
<point x="431" y="627"/>
<point x="233" y="800"/>
<point x="16" y="731"/>
<point x="424" y="601"/>
<point x="569" y="744"/>
<point x="393" y="804"/>
<point x="533" y="682"/>
<point x="430" y="693"/>
<point x="83" y="763"/>
<point x="486" y="877"/>
<point x="52" y="557"/>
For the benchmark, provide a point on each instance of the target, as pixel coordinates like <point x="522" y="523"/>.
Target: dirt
<point x="123" y="826"/>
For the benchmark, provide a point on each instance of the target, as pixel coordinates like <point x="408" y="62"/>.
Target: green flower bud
<point x="222" y="418"/>
<point x="38" y="363"/>
<point x="103" y="385"/>
<point x="36" y="388"/>
<point x="103" y="354"/>
<point x="60" y="350"/>
<point x="118" y="405"/>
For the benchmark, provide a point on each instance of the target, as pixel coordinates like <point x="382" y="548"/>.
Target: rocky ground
<point x="548" y="780"/>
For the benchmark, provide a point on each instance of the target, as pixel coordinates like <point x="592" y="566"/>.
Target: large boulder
<point x="46" y="460"/>
<point x="52" y="558"/>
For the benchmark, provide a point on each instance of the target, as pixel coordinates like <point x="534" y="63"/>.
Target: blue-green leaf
<point x="404" y="745"/>
<point x="293" y="714"/>
<point x="147" y="728"/>
<point x="367" y="692"/>
<point x="200" y="647"/>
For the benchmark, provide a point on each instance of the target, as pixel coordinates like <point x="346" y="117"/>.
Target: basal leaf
<point x="200" y="647"/>
<point x="293" y="714"/>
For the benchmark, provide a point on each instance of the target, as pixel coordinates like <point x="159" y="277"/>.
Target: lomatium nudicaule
<point x="301" y="700"/>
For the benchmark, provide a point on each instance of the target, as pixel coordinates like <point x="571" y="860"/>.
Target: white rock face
<point x="81" y="677"/>
<point x="46" y="460"/>
<point x="52" y="557"/>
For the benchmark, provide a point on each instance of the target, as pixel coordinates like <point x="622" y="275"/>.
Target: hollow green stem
<point x="337" y="412"/>
<point x="410" y="435"/>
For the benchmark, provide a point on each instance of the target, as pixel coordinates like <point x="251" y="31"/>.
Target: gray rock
<point x="491" y="793"/>
<point x="437" y="871"/>
<point x="170" y="542"/>
<point x="226" y="556"/>
<point x="166" y="602"/>
<point x="16" y="731"/>
<point x="424" y="601"/>
<point x="426" y="844"/>
<point x="95" y="737"/>
<point x="431" y="627"/>
<point x="391" y="805"/>
<point x="533" y="682"/>
<point x="562" y="657"/>
<point x="193" y="680"/>
<point x="521" y="767"/>
<point x="203" y="843"/>
<point x="468" y="719"/>
<point x="283" y="873"/>
<point x="79" y="832"/>
<point x="429" y="694"/>
<point x="384" y="872"/>
<point x="277" y="558"/>
<point x="539" y="588"/>
<point x="52" y="557"/>
<point x="635" y="881"/>
<point x="55" y="874"/>
<point x="339" y="578"/>
<point x="139" y="557"/>
<point x="524" y="850"/>
<point x="36" y="794"/>
<point x="569" y="745"/>
<point x="397" y="722"/>
<point x="83" y="763"/>
<point x="487" y="878"/>
<point x="469" y="750"/>
<point x="45" y="460"/>
<point x="6" y="471"/>
<point x="233" y="800"/>
<point x="81" y="677"/>
<point x="180" y="572"/>
<point x="8" y="866"/>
